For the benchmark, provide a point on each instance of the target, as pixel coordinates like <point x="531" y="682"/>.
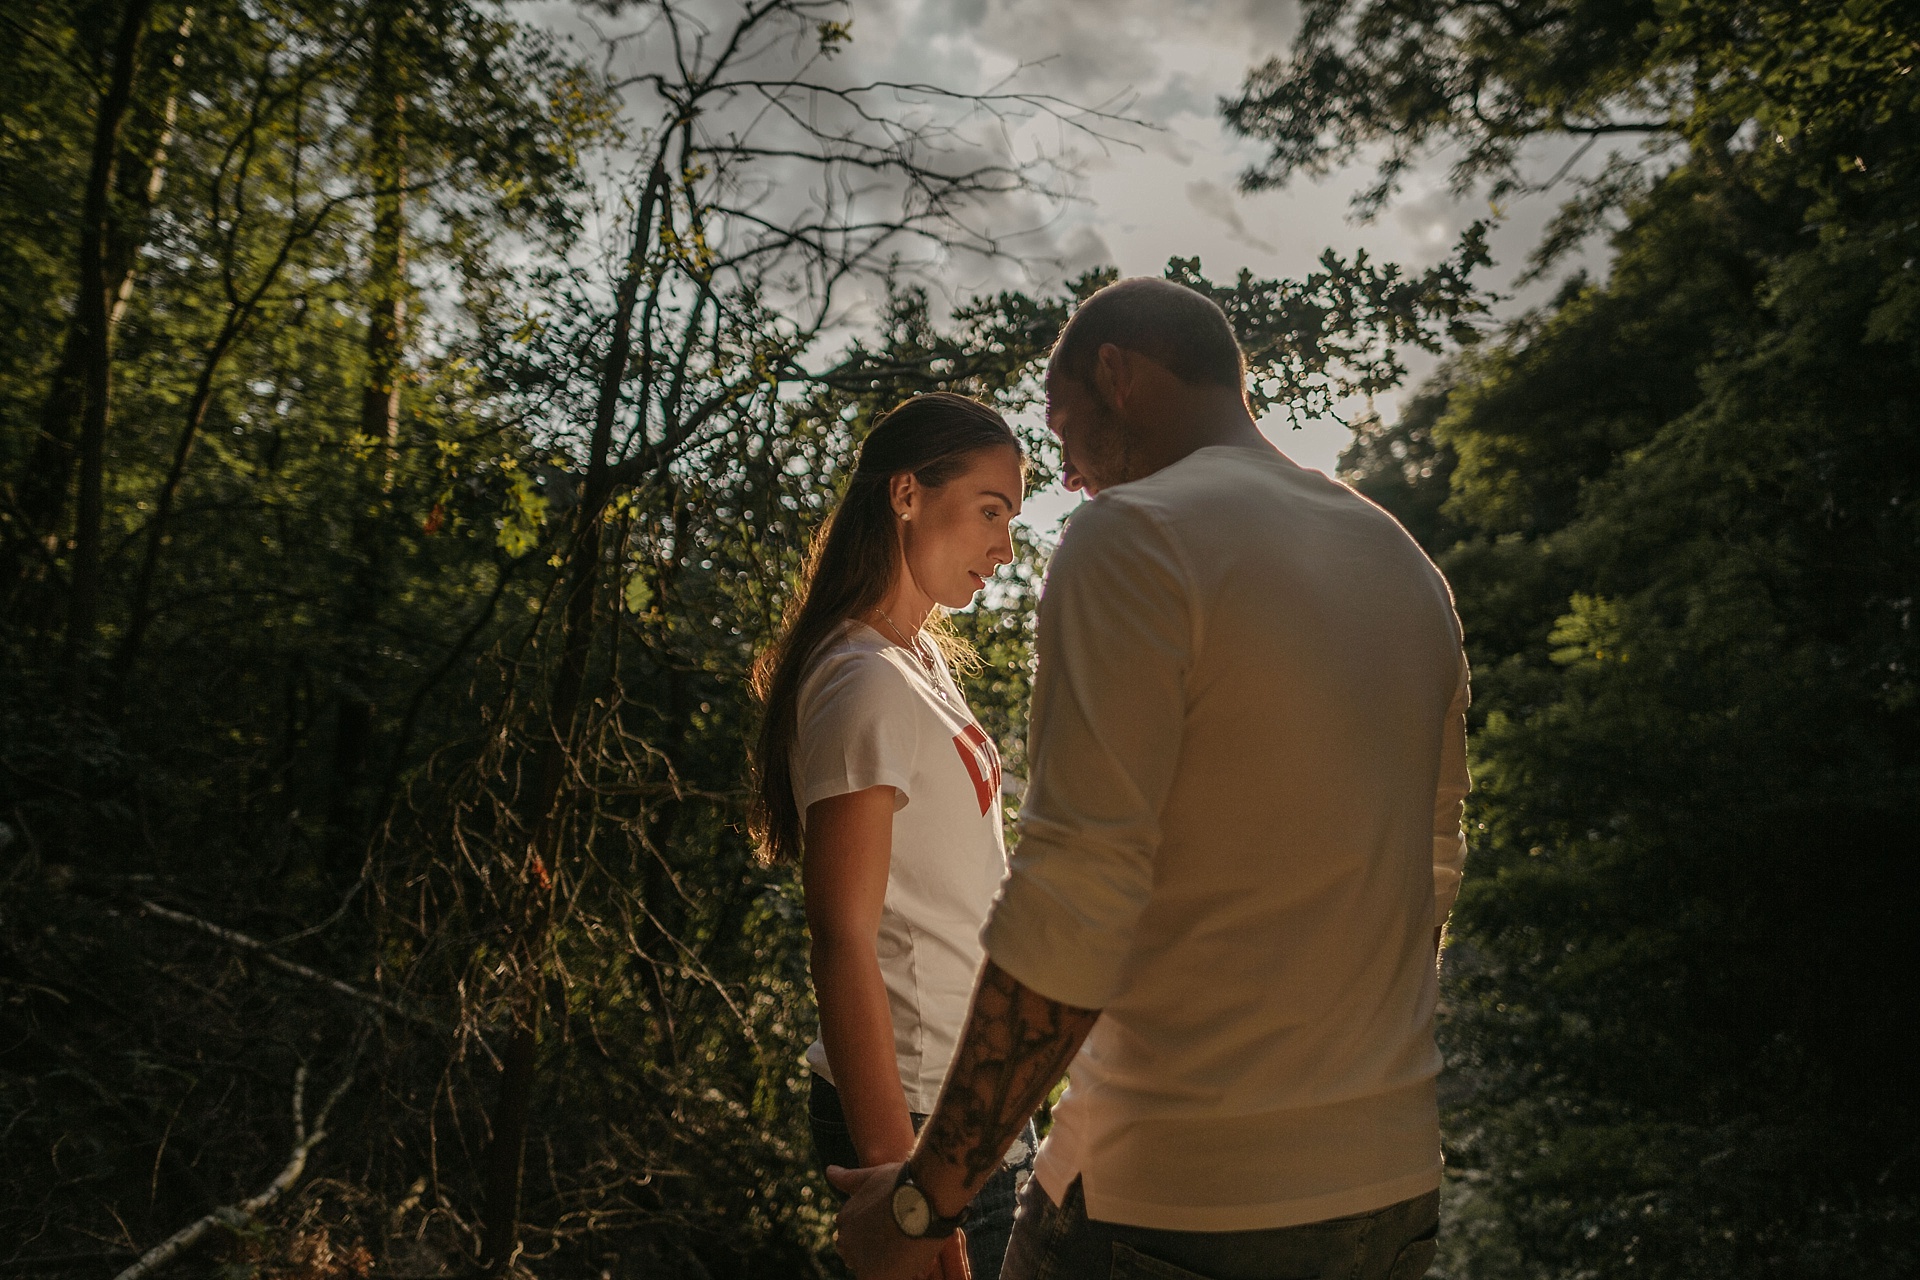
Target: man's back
<point x="1247" y="766"/>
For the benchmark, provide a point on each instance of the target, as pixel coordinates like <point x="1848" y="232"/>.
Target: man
<point x="1239" y="842"/>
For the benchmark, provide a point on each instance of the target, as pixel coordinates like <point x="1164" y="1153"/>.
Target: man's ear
<point x="1113" y="375"/>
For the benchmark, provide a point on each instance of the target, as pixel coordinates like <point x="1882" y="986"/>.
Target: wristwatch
<point x="913" y="1213"/>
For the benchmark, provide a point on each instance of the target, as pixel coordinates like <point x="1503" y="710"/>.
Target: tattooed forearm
<point x="1014" y="1049"/>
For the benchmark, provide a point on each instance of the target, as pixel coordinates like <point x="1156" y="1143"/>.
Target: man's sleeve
<point x="1116" y="633"/>
<point x="1449" y="802"/>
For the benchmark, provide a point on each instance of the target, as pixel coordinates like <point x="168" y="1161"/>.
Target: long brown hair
<point x="850" y="567"/>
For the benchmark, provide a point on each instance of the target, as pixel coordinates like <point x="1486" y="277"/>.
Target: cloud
<point x="1217" y="202"/>
<point x="1130" y="196"/>
<point x="1092" y="48"/>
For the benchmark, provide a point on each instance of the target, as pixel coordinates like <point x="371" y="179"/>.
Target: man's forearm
<point x="1014" y="1049"/>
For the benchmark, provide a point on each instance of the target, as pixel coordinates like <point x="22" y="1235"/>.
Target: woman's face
<point x="954" y="537"/>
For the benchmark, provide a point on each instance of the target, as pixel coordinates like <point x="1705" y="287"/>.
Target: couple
<point x="1240" y="839"/>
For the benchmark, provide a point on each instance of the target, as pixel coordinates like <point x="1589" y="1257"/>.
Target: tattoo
<point x="1014" y="1050"/>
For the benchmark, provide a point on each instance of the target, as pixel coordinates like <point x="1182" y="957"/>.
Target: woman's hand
<point x="953" y="1259"/>
<point x="872" y="1243"/>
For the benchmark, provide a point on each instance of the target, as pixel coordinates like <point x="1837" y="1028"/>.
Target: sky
<point x="1164" y="186"/>
<point x="1174" y="192"/>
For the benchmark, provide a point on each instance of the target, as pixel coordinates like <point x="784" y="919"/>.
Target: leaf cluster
<point x="1678" y="511"/>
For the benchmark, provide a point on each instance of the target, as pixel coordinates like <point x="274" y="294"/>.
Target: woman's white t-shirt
<point x="869" y="716"/>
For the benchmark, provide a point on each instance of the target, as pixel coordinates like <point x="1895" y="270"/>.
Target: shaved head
<point x="1182" y="331"/>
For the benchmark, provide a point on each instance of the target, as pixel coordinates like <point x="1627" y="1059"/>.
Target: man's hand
<point x="873" y="1244"/>
<point x="1012" y="1052"/>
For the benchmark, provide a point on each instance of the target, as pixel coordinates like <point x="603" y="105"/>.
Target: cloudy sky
<point x="1165" y="188"/>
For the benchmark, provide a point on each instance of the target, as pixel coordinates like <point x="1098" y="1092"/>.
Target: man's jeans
<point x="1059" y="1242"/>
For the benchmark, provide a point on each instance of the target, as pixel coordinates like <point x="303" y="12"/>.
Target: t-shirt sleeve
<point x="1109" y="700"/>
<point x="858" y="728"/>
<point x="1449" y="803"/>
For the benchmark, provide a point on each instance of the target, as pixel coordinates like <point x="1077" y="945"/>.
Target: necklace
<point x="920" y="656"/>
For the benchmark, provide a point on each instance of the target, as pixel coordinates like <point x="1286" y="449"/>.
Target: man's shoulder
<point x="1123" y="522"/>
<point x="1230" y="486"/>
<point x="1229" y="506"/>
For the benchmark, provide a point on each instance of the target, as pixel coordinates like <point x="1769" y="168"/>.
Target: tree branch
<point x="242" y="1212"/>
<point x="298" y="970"/>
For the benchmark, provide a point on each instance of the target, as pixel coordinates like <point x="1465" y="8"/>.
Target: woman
<point x="873" y="771"/>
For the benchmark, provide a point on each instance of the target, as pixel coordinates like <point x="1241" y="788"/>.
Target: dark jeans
<point x="1059" y="1242"/>
<point x="992" y="1220"/>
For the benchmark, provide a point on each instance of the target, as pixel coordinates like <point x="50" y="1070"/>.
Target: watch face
<point x="911" y="1210"/>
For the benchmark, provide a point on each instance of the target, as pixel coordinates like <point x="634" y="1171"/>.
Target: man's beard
<point x="1109" y="451"/>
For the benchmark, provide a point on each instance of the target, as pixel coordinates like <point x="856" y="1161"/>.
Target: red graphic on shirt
<point x="982" y="761"/>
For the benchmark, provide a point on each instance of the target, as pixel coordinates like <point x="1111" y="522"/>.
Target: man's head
<point x="1144" y="372"/>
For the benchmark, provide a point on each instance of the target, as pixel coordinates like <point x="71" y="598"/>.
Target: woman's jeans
<point x="992" y="1219"/>
<point x="1059" y="1242"/>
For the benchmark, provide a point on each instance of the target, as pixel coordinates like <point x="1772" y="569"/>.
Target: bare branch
<point x="242" y="1212"/>
<point x="255" y="946"/>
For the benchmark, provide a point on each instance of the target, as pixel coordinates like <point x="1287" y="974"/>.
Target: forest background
<point x="411" y="425"/>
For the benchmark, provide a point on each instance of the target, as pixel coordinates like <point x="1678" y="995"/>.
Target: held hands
<point x="873" y="1244"/>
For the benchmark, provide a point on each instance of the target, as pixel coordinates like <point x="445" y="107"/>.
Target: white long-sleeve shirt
<point x="1242" y="825"/>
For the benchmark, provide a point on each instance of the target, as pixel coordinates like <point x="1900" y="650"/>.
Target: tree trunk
<point x="91" y="313"/>
<point x="380" y="435"/>
<point x="506" y="1154"/>
<point x="515" y="1104"/>
<point x="387" y="264"/>
<point x="40" y="499"/>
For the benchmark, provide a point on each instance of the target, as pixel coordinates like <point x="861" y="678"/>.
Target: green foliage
<point x="1484" y="78"/>
<point x="1678" y="512"/>
<point x="1400" y="466"/>
<point x="1764" y="99"/>
<point x="406" y="745"/>
<point x="1338" y="333"/>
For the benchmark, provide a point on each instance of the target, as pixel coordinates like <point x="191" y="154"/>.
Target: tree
<point x="1676" y="508"/>
<point x="467" y="434"/>
<point x="1763" y="98"/>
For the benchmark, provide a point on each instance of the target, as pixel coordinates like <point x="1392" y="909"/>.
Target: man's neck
<point x="1215" y="424"/>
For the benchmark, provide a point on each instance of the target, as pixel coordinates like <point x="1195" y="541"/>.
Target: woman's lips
<point x="978" y="581"/>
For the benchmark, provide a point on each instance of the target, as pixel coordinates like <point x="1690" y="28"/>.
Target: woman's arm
<point x="849" y="845"/>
